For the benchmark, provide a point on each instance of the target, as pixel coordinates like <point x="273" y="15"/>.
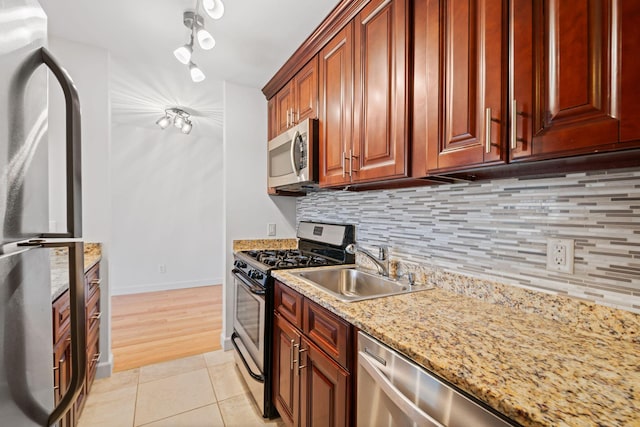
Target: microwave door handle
<point x="72" y="108"/>
<point x="296" y="170"/>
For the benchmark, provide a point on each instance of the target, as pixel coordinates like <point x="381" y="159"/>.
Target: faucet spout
<point x="381" y="261"/>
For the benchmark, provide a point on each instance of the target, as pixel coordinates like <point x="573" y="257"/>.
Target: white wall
<point x="88" y="66"/>
<point x="89" y="69"/>
<point x="167" y="186"/>
<point x="247" y="207"/>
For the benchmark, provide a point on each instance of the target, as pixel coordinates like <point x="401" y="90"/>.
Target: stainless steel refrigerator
<point x="27" y="395"/>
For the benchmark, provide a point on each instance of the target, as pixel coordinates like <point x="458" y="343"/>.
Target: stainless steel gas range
<point x="319" y="245"/>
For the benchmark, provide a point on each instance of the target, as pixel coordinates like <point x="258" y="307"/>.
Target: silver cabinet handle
<point x="487" y="130"/>
<point x="97" y="316"/>
<point x="300" y="351"/>
<point x="514" y="124"/>
<point x="291" y="361"/>
<point x="344" y="157"/>
<point x="353" y="156"/>
<point x="350" y="158"/>
<point x="287" y="119"/>
<point x="73" y="157"/>
<point x="95" y="282"/>
<point x="96" y="357"/>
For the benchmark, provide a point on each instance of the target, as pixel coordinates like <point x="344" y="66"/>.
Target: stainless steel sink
<point x="349" y="284"/>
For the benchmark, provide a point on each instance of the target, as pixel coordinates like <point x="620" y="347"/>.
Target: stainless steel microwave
<point x="292" y="158"/>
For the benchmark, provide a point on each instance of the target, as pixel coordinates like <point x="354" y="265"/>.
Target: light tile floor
<point x="197" y="391"/>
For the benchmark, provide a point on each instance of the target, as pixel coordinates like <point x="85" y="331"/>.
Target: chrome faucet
<point x="381" y="261"/>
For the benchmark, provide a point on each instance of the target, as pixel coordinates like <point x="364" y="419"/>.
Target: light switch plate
<point x="271" y="229"/>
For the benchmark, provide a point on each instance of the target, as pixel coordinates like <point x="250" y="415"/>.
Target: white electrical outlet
<point x="162" y="268"/>
<point x="560" y="255"/>
<point x="271" y="229"/>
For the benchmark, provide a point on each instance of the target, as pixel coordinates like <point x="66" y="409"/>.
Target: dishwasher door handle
<point x="396" y="396"/>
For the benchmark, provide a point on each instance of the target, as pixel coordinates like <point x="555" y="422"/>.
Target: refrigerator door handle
<point x="78" y="321"/>
<point x="73" y="158"/>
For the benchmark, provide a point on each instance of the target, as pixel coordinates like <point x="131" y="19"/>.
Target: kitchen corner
<point x="539" y="359"/>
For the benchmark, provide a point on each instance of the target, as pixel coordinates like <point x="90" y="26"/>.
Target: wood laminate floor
<point x="159" y="326"/>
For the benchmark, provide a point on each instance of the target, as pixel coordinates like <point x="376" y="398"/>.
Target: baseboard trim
<point x="105" y="369"/>
<point x="225" y="342"/>
<point x="154" y="287"/>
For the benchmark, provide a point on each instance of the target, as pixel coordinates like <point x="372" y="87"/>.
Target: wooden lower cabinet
<point x="286" y="384"/>
<point x="310" y="387"/>
<point x="62" y="344"/>
<point x="324" y="389"/>
<point x="62" y="372"/>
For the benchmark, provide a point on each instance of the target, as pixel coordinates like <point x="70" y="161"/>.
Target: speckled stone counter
<point x="59" y="266"/>
<point x="256" y="244"/>
<point x="538" y="366"/>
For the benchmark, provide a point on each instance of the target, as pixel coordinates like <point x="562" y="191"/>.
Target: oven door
<point x="249" y="318"/>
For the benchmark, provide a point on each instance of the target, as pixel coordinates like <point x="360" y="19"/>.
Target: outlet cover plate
<point x="560" y="255"/>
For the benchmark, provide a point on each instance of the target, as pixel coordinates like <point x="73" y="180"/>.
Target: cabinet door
<point x="335" y="71"/>
<point x="565" y="77"/>
<point x="286" y="383"/>
<point x="306" y="92"/>
<point x="62" y="375"/>
<point x="284" y="108"/>
<point x="381" y="102"/>
<point x="324" y="388"/>
<point x="460" y="84"/>
<point x="272" y="123"/>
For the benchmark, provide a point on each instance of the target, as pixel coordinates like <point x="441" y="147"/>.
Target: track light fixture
<point x="195" y="22"/>
<point x="179" y="118"/>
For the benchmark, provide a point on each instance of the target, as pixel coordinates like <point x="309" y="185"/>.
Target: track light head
<point x="183" y="53"/>
<point x="164" y="121"/>
<point x="196" y="73"/>
<point x="214" y="8"/>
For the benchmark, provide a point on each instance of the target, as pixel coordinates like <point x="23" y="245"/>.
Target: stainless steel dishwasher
<point x="393" y="391"/>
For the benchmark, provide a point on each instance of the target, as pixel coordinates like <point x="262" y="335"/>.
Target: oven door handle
<point x="257" y="377"/>
<point x="254" y="289"/>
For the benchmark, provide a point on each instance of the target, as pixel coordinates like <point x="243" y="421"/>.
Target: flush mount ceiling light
<point x="195" y="23"/>
<point x="179" y="118"/>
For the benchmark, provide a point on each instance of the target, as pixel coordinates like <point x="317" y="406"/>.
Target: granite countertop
<point x="535" y="369"/>
<point x="59" y="266"/>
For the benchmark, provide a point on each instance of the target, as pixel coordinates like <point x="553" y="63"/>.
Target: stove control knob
<point x="241" y="264"/>
<point x="257" y="275"/>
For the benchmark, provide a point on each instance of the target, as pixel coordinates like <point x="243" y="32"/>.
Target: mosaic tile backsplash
<point x="498" y="229"/>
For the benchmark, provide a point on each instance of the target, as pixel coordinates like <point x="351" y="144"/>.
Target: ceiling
<point x="254" y="38"/>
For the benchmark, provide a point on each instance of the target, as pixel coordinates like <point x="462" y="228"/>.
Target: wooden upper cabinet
<point x="297" y="100"/>
<point x="380" y="131"/>
<point x="284" y="107"/>
<point x="363" y="73"/>
<point x="459" y="85"/>
<point x="572" y="66"/>
<point x="271" y="119"/>
<point x="306" y="92"/>
<point x="335" y="71"/>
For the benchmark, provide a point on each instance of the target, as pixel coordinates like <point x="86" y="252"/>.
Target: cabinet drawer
<point x="288" y="303"/>
<point x="327" y="331"/>
<point x="93" y="357"/>
<point x="93" y="312"/>
<point x="61" y="308"/>
<point x="92" y="281"/>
